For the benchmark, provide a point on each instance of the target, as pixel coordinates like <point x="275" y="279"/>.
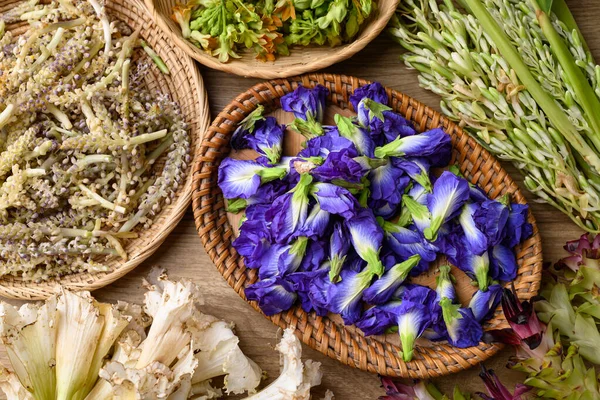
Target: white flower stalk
<point x="296" y="379"/>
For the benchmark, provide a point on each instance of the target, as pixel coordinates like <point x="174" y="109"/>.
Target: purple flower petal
<point x="463" y="329"/>
<point x="273" y="295"/>
<point x="344" y="298"/>
<point x="374" y="91"/>
<point x="517" y="227"/>
<point x="367" y="237"/>
<point x="475" y="238"/>
<point x="484" y="304"/>
<point x="503" y="263"/>
<point x="339" y="165"/>
<point x="491" y="218"/>
<point x="434" y="145"/>
<point x="335" y="199"/>
<point x="449" y="194"/>
<point x="376" y="320"/>
<point x="382" y="290"/>
<point x="306" y="104"/>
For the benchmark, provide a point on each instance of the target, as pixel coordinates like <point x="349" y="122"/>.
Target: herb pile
<point x="344" y="224"/>
<point x="520" y="78"/>
<point x="80" y="135"/>
<point x="73" y="348"/>
<point x="223" y="28"/>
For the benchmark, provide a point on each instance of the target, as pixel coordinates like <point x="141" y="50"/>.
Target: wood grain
<point x="184" y="257"/>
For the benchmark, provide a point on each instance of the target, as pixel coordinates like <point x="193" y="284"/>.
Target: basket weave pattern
<point x="378" y="354"/>
<point x="184" y="84"/>
<point x="301" y="59"/>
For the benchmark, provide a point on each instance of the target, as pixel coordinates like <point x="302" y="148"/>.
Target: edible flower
<point x="418" y="212"/>
<point x="289" y="261"/>
<point x="288" y="213"/>
<point x="476" y="267"/>
<point x="462" y="327"/>
<point x="322" y="146"/>
<point x="445" y="202"/>
<point x="344" y="298"/>
<point x="583" y="253"/>
<point x="434" y="145"/>
<point x="376" y="320"/>
<point x="308" y="106"/>
<point x="316" y="223"/>
<point x="335" y="199"/>
<point x="496" y="389"/>
<point x="490" y="218"/>
<point x="484" y="304"/>
<point x="339" y="166"/>
<point x="388" y="183"/>
<point x="265" y="136"/>
<point x="412" y="318"/>
<point x="367" y="237"/>
<point x="417" y="169"/>
<point x="503" y="263"/>
<point x="253" y="242"/>
<point x="382" y="290"/>
<point x="522" y="318"/>
<point x="517" y="227"/>
<point x="370" y="114"/>
<point x="338" y="250"/>
<point x="406" y="243"/>
<point x="360" y="137"/>
<point x="445" y="284"/>
<point x="273" y="295"/>
<point x="242" y="178"/>
<point x="474" y="237"/>
<point x="374" y="91"/>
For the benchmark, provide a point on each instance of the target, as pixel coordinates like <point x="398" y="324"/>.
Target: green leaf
<point x="545" y="5"/>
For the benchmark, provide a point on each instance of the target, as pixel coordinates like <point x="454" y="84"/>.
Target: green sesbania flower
<point x="513" y="86"/>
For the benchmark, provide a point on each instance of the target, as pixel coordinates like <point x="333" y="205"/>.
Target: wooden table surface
<point x="183" y="255"/>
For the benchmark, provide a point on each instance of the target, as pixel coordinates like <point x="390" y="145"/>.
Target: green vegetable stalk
<point x="520" y="80"/>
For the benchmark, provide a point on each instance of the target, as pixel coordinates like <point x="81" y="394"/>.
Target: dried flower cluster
<point x="80" y="136"/>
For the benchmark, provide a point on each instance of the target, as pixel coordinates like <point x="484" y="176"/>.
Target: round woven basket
<point x="301" y="59"/>
<point x="184" y="84"/>
<point x="378" y="354"/>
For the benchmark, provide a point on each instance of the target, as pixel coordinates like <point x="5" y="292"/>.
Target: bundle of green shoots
<point x="518" y="76"/>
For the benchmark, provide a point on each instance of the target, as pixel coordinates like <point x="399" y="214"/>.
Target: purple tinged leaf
<point x="449" y="195"/>
<point x="274" y="295"/>
<point x="584" y="252"/>
<point x="522" y="318"/>
<point x="399" y="391"/>
<point x="496" y="389"/>
<point x="484" y="304"/>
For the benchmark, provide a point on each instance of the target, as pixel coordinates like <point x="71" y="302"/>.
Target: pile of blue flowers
<point x="344" y="224"/>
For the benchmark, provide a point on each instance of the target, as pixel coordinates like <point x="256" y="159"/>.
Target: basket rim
<point x="355" y="350"/>
<point x="19" y="289"/>
<point x="266" y="70"/>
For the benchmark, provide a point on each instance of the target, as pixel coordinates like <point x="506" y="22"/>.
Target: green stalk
<point x="562" y="12"/>
<point x="554" y="113"/>
<point x="583" y="91"/>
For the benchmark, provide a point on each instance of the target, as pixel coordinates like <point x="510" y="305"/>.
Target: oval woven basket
<point x="301" y="59"/>
<point x="378" y="354"/>
<point x="184" y="84"/>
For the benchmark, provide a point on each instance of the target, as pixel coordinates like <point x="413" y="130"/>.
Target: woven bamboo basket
<point x="184" y="84"/>
<point x="301" y="59"/>
<point x="378" y="354"/>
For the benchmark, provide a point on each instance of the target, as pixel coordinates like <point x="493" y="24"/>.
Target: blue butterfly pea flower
<point x="462" y="327"/>
<point x="253" y="242"/>
<point x="503" y="263"/>
<point x="382" y="208"/>
<point x="289" y="261"/>
<point x="242" y="178"/>
<point x="517" y="227"/>
<point x="413" y="319"/>
<point x="305" y="285"/>
<point x="367" y="238"/>
<point x="265" y="137"/>
<point x="316" y="224"/>
<point x="395" y="126"/>
<point x="315" y="256"/>
<point x="388" y="183"/>
<point x="339" y="166"/>
<point x="360" y="137"/>
<point x="322" y="146"/>
<point x="419" y="213"/>
<point x="339" y="245"/>
<point x="308" y="106"/>
<point x="476" y="267"/>
<point x="268" y="266"/>
<point x="434" y="145"/>
<point x="491" y="218"/>
<point x="335" y="199"/>
<point x="444" y="284"/>
<point x="417" y="169"/>
<point x="370" y="114"/>
<point x="289" y="211"/>
<point x="374" y="91"/>
<point x="376" y="320"/>
<point x="449" y="195"/>
<point x="475" y="238"/>
<point x="274" y="295"/>
<point x="484" y="304"/>
<point x="406" y="242"/>
<point x="382" y="290"/>
<point x="344" y="298"/>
